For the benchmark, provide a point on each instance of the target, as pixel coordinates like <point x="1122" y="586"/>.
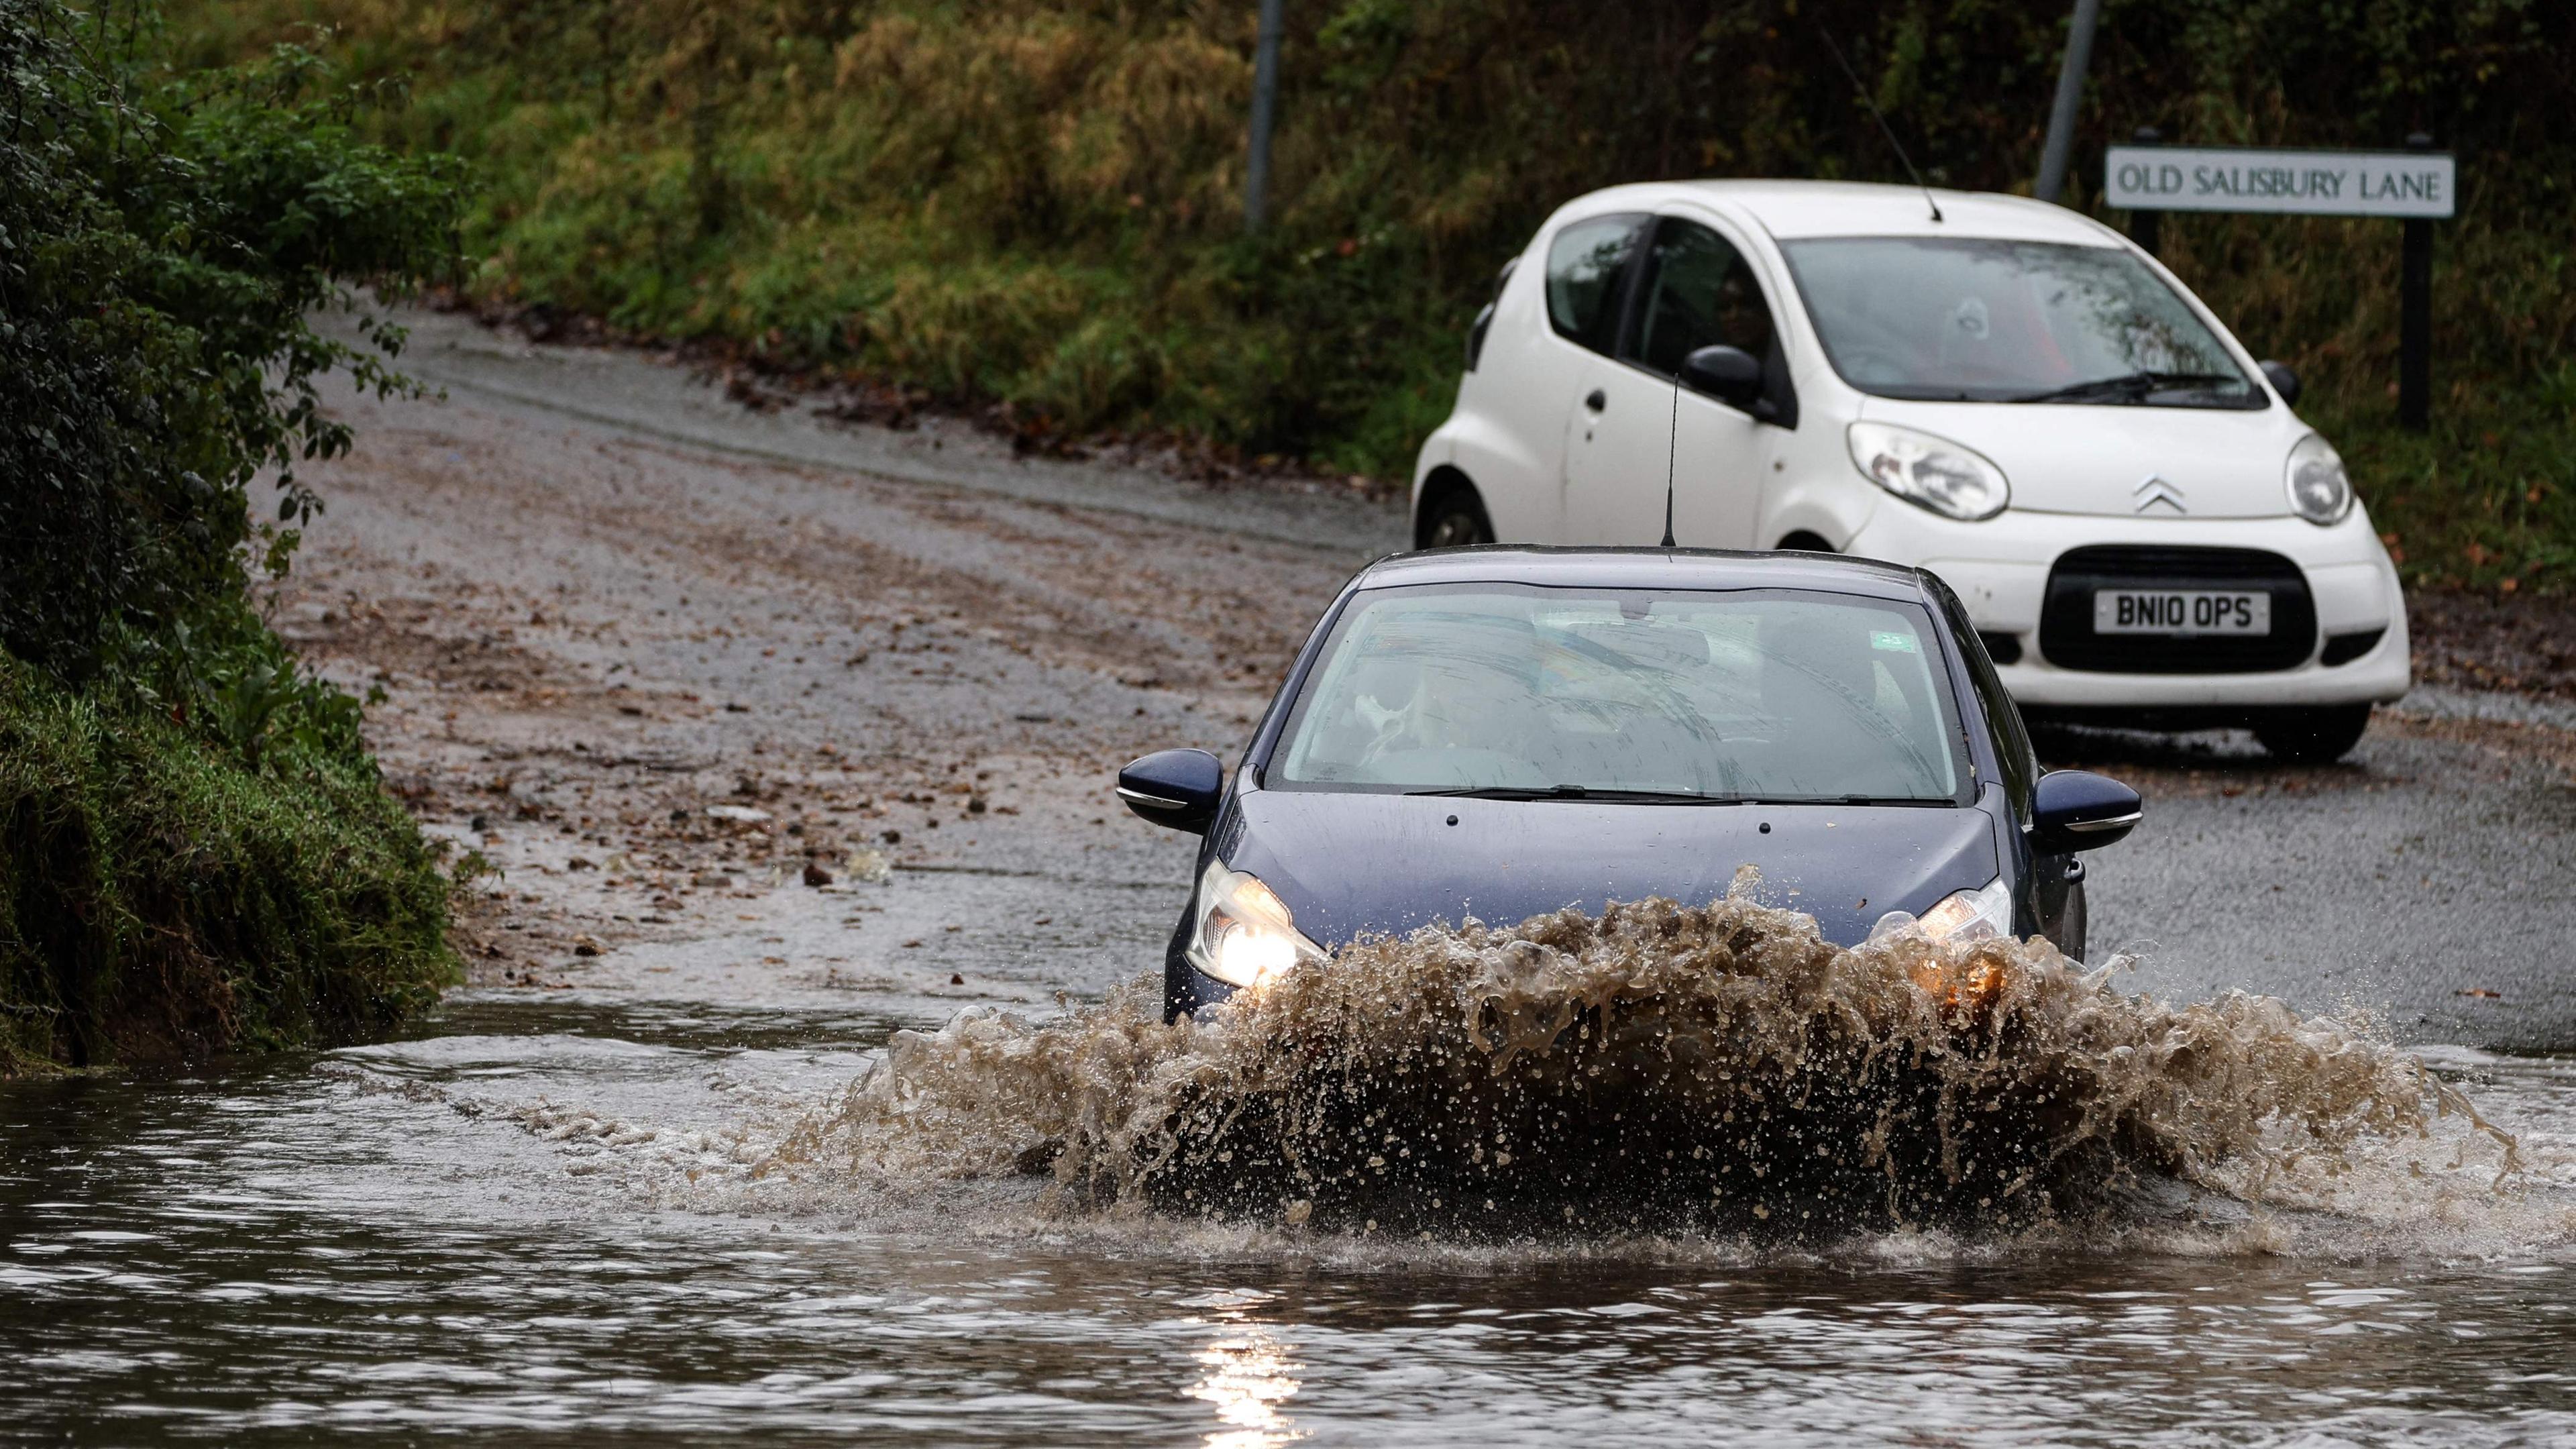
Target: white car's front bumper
<point x="2000" y="569"/>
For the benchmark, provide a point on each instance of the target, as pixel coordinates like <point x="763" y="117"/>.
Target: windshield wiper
<point x="1936" y="800"/>
<point x="1581" y="792"/>
<point x="2128" y="385"/>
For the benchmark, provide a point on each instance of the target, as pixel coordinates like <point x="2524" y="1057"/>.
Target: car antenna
<point x="1672" y="448"/>
<point x="1883" y="128"/>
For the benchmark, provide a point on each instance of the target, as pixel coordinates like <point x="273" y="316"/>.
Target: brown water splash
<point x="1659" y="1066"/>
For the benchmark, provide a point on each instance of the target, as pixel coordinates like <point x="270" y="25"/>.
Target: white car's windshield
<point x="1505" y="689"/>
<point x="2010" y="321"/>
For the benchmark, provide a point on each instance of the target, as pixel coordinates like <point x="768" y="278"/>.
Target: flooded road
<point x="781" y="740"/>
<point x="394" y="1241"/>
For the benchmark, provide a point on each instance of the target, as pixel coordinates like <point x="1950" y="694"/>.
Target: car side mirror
<point x="1176" y="789"/>
<point x="2074" y="810"/>
<point x="1729" y="374"/>
<point x="2283" y="380"/>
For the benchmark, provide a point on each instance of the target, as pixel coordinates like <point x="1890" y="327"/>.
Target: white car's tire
<point x="1453" y="517"/>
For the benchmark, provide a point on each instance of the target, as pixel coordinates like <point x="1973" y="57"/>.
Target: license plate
<point x="2181" y="611"/>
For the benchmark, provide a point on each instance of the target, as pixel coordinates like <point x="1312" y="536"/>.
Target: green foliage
<point x="195" y="851"/>
<point x="161" y="248"/>
<point x="249" y="694"/>
<point x="1039" y="200"/>
<point x="159" y="895"/>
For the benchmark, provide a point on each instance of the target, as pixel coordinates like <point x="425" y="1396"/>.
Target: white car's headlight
<point x="1961" y="917"/>
<point x="1949" y="478"/>
<point x="2319" y="490"/>
<point x="1241" y="932"/>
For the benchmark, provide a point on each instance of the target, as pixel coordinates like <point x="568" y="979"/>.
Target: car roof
<point x="1657" y="568"/>
<point x="1793" y="209"/>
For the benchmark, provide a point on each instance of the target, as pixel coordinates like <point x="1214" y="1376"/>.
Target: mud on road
<point x="760" y="707"/>
<point x="761" y="728"/>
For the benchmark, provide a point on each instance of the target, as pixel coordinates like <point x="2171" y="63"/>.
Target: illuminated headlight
<point x="1946" y="477"/>
<point x="1961" y="917"/>
<point x="1241" y="932"/>
<point x="2319" y="490"/>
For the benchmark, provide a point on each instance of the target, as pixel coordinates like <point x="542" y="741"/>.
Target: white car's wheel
<point x="1454" y="518"/>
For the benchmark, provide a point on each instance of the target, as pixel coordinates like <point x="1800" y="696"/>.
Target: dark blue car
<point x="1499" y="732"/>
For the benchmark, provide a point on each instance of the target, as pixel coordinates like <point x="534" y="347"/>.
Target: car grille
<point x="2067" y="640"/>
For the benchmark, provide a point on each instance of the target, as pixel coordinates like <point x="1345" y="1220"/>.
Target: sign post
<point x="2418" y="185"/>
<point x="2415" y="315"/>
<point x="2070" y="91"/>
<point x="1265" y="106"/>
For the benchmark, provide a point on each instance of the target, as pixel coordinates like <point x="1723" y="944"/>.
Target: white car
<point x="2009" y="394"/>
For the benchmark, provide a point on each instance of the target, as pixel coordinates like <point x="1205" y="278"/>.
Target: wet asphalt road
<point x="1085" y="609"/>
<point x="2429" y="868"/>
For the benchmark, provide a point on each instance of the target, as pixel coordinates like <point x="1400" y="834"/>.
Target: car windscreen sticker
<point x="1894" y="643"/>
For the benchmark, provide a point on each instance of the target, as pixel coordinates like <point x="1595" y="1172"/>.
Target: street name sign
<point x="2420" y="185"/>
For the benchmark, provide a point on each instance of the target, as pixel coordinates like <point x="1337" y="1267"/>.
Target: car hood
<point x="2098" y="458"/>
<point x="1348" y="864"/>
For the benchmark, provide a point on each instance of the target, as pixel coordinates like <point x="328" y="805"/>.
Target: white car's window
<point x="1584" y="266"/>
<point x="2010" y="321"/>
<point x="1699" y="293"/>
<point x="1756" y="695"/>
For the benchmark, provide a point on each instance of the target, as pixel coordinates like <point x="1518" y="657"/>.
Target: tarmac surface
<point x="604" y="600"/>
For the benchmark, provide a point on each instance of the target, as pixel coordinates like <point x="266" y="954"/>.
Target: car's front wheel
<point x="1454" y="519"/>
<point x="2313" y="736"/>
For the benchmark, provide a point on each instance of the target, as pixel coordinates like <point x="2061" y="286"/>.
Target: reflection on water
<point x="1249" y="1374"/>
<point x="377" y="1243"/>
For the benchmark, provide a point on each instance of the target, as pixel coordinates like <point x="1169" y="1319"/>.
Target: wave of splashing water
<point x="1661" y="1068"/>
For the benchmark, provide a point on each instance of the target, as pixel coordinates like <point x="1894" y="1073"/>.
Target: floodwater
<point x="558" y="1215"/>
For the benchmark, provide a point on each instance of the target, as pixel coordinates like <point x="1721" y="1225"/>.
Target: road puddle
<point x="1993" y="1195"/>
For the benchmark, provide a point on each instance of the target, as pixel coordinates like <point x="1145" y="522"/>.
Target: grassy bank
<point x="1038" y="201"/>
<point x="195" y="852"/>
<point x="159" y="896"/>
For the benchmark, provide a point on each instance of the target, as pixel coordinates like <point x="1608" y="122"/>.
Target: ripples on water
<point x="564" y="1219"/>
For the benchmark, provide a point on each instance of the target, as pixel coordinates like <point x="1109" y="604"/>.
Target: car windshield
<point x="1746" y="695"/>
<point x="2010" y="321"/>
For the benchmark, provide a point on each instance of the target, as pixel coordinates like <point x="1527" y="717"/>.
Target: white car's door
<point x="1699" y="291"/>
<point x="1717" y="482"/>
<point x="1692" y="289"/>
<point x="1617" y="443"/>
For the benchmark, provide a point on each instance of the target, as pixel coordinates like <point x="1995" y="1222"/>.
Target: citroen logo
<point x="2152" y="490"/>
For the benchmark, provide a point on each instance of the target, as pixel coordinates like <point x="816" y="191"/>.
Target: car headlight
<point x="1946" y="477"/>
<point x="1241" y="932"/>
<point x="2319" y="490"/>
<point x="1961" y="917"/>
